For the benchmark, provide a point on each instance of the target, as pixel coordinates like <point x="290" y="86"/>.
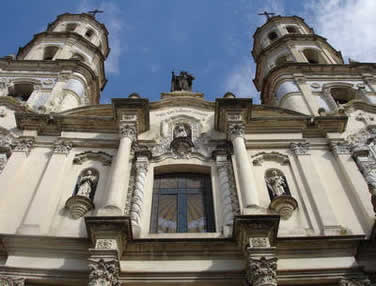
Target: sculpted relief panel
<point x="182" y="135"/>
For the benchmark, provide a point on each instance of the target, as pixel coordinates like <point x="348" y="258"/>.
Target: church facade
<point x="185" y="191"/>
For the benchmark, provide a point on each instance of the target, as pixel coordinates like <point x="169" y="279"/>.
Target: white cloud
<point x="112" y="18"/>
<point x="240" y="83"/>
<point x="349" y="25"/>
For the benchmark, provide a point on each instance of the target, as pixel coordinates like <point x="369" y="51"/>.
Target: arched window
<point x="49" y="53"/>
<point x="89" y="33"/>
<point x="276" y="183"/>
<point x="342" y="95"/>
<point x="87" y="183"/>
<point x="272" y="36"/>
<point x="313" y="56"/>
<point x="292" y="30"/>
<point x="71" y="27"/>
<point x="182" y="202"/>
<point x="21" y="91"/>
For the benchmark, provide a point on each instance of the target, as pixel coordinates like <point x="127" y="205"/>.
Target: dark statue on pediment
<point x="183" y="81"/>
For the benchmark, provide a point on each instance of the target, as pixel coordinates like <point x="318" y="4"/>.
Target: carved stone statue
<point x="277" y="184"/>
<point x="182" y="81"/>
<point x="87" y="184"/>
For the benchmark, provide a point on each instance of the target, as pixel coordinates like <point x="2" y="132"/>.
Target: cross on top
<point x="267" y="15"/>
<point x="94" y="12"/>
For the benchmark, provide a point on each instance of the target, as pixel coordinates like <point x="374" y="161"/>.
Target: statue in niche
<point x="181" y="82"/>
<point x="276" y="184"/>
<point x="87" y="184"/>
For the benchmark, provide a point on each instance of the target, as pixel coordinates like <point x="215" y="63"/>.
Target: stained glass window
<point x="182" y="202"/>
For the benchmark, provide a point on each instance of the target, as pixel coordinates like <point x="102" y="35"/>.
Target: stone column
<point x="142" y="165"/>
<point x="120" y="169"/>
<point x="246" y="179"/>
<point x="316" y="190"/>
<point x="36" y="221"/>
<point x="355" y="181"/>
<point x="225" y="182"/>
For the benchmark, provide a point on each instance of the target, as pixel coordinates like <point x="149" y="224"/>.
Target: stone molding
<point x="100" y="156"/>
<point x="261" y="271"/>
<point x="104" y="272"/>
<point x="3" y="161"/>
<point x="226" y="190"/>
<point x="300" y="148"/>
<point x="284" y="205"/>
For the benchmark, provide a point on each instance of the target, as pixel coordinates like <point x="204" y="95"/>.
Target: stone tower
<point x="299" y="70"/>
<point x="60" y="68"/>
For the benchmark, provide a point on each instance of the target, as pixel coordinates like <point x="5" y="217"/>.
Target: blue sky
<point x="211" y="39"/>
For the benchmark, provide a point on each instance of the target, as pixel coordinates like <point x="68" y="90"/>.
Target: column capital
<point x="23" y="145"/>
<point x="61" y="147"/>
<point x="340" y="148"/>
<point x="104" y="272"/>
<point x="128" y="129"/>
<point x="236" y="130"/>
<point x="300" y="148"/>
<point x="261" y="271"/>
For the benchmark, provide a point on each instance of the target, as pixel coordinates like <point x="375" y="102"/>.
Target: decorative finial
<point x="94" y="12"/>
<point x="267" y="15"/>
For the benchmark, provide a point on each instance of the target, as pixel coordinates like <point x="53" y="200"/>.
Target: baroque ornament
<point x="262" y="271"/>
<point x="181" y="138"/>
<point x="236" y="130"/>
<point x="62" y="147"/>
<point x="354" y="282"/>
<point x="128" y="130"/>
<point x="103" y="273"/>
<point x="23" y="145"/>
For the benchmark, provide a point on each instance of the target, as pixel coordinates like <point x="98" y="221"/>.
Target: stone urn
<point x="78" y="206"/>
<point x="284" y="205"/>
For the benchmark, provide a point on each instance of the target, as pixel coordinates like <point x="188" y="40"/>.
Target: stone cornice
<point x="306" y="69"/>
<point x="183" y="102"/>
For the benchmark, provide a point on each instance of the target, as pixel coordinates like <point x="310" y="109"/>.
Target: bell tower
<point x="288" y="54"/>
<point x="64" y="64"/>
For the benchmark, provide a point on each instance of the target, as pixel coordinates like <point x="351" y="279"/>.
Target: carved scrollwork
<point x="262" y="271"/>
<point x="103" y="273"/>
<point x="340" y="148"/>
